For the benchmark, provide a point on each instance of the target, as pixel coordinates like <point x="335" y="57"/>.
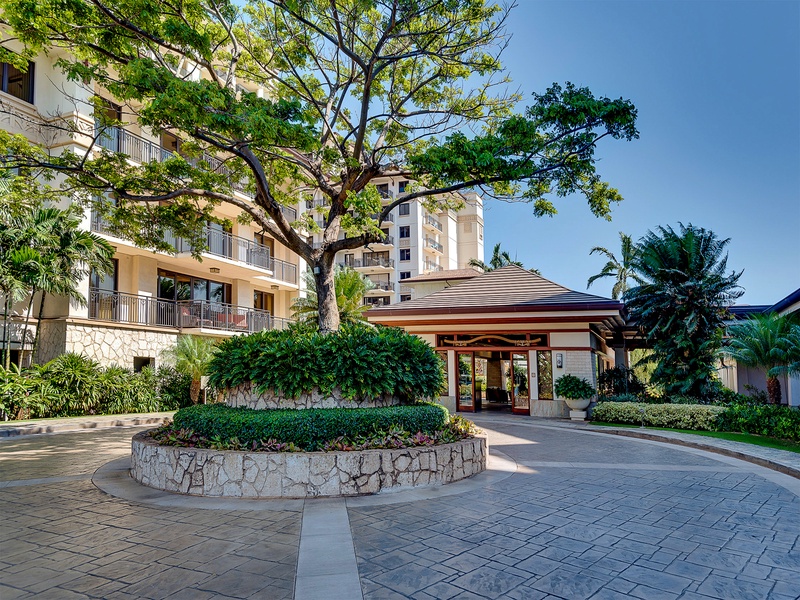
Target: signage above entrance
<point x="506" y="340"/>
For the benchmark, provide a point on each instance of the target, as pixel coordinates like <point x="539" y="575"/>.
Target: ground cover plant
<point x="360" y="360"/>
<point x="74" y="385"/>
<point x="308" y="429"/>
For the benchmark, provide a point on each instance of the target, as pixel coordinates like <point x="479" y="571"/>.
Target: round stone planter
<point x="247" y="395"/>
<point x="204" y="472"/>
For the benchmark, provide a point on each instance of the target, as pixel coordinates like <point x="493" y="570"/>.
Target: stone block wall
<point x="247" y="395"/>
<point x="204" y="472"/>
<point x="581" y="364"/>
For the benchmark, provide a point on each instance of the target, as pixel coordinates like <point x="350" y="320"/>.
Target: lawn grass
<point x="747" y="438"/>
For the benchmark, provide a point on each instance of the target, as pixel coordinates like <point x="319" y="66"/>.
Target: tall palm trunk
<point x="194" y="390"/>
<point x="6" y="334"/>
<point x="774" y="389"/>
<point x="25" y="329"/>
<point x="35" y="349"/>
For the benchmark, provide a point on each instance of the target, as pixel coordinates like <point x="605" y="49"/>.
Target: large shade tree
<point x="355" y="89"/>
<point x="682" y="303"/>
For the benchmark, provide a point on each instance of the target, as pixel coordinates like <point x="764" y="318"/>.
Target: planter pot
<point x="578" y="408"/>
<point x="578" y="403"/>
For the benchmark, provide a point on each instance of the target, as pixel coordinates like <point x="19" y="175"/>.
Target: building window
<point x="404" y="209"/>
<point x="17" y="83"/>
<point x="105" y="283"/>
<point x="405" y="254"/>
<point x="405" y="275"/>
<point x="405" y="231"/>
<point x="383" y="189"/>
<point x="402" y="187"/>
<point x="264" y="301"/>
<point x="405" y="297"/>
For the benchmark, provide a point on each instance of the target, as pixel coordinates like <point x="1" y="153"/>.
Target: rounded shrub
<point x="677" y="416"/>
<point x="360" y="360"/>
<point x="309" y="429"/>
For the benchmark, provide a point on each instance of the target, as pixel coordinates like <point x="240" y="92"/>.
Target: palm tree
<point x="500" y="258"/>
<point x="192" y="355"/>
<point x="350" y="289"/>
<point x="766" y="342"/>
<point x="622" y="269"/>
<point x="14" y="265"/>
<point x="72" y="256"/>
<point x="681" y="304"/>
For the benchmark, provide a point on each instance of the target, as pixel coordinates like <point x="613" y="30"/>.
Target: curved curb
<point x="756" y="460"/>
<point x="114" y="479"/>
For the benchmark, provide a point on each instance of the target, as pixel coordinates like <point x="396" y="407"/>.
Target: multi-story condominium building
<point x="245" y="281"/>
<point x="415" y="242"/>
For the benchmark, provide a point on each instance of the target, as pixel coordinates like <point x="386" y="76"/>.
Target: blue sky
<point x="717" y="86"/>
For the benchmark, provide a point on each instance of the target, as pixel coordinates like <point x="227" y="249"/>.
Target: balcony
<point x="430" y="222"/>
<point x="434" y="245"/>
<point x="377" y="301"/>
<point x="431" y="266"/>
<point x="368" y="261"/>
<point x="224" y="245"/>
<point x="387" y="240"/>
<point x="382" y="286"/>
<point x="141" y="150"/>
<point x="132" y="309"/>
<point x="387" y="219"/>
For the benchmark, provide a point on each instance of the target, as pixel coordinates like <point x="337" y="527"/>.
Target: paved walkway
<point x="565" y="513"/>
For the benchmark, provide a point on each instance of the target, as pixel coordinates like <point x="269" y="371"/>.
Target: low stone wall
<point x="203" y="472"/>
<point x="247" y="395"/>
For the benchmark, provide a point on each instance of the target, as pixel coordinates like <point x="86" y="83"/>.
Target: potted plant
<point x="577" y="393"/>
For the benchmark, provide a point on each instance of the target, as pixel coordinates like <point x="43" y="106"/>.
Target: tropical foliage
<point x="73" y="385"/>
<point x="359" y="89"/>
<point x="622" y="269"/>
<point x="192" y="356"/>
<point x="678" y="416"/>
<point x="44" y="251"/>
<point x="350" y="288"/>
<point x="681" y="306"/>
<point x="308" y="429"/>
<point x="377" y="438"/>
<point x="500" y="258"/>
<point x="574" y="388"/>
<point x="767" y="341"/>
<point x="361" y="361"/>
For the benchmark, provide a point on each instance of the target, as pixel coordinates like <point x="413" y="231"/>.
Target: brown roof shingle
<point x="508" y="288"/>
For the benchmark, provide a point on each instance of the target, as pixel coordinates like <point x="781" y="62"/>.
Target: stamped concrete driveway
<point x="579" y="515"/>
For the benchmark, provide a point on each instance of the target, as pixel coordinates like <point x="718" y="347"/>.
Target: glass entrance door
<point x="465" y="399"/>
<point x="520" y="398"/>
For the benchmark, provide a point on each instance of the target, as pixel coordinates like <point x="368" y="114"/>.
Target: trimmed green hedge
<point x="762" y="419"/>
<point x="361" y="361"/>
<point x="307" y="428"/>
<point x="677" y="416"/>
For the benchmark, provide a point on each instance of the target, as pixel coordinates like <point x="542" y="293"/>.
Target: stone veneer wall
<point x="247" y="395"/>
<point x="117" y="345"/>
<point x="205" y="472"/>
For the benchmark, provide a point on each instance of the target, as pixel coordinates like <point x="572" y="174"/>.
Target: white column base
<point x="577" y="415"/>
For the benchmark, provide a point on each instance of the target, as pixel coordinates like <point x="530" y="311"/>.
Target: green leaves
<point x="680" y="306"/>
<point x="362" y="361"/>
<point x="309" y="429"/>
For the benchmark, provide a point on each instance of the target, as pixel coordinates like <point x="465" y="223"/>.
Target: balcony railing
<point x="387" y="219"/>
<point x="431" y="243"/>
<point x="225" y="245"/>
<point x="141" y="150"/>
<point x="387" y="240"/>
<point x="431" y="266"/>
<point x="384" y="286"/>
<point x="377" y="301"/>
<point x="119" y="307"/>
<point x="430" y="221"/>
<point x="369" y="261"/>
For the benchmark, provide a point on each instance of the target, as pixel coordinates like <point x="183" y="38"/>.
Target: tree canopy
<point x="682" y="303"/>
<point x="352" y="90"/>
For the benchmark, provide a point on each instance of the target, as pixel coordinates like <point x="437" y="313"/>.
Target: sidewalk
<point x="772" y="458"/>
<point x="35" y="426"/>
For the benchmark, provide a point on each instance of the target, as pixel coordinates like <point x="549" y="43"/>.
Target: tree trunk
<point x="774" y="390"/>
<point x="25" y="330"/>
<point x="328" y="309"/>
<point x="6" y="334"/>
<point x="35" y="348"/>
<point x="194" y="390"/>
